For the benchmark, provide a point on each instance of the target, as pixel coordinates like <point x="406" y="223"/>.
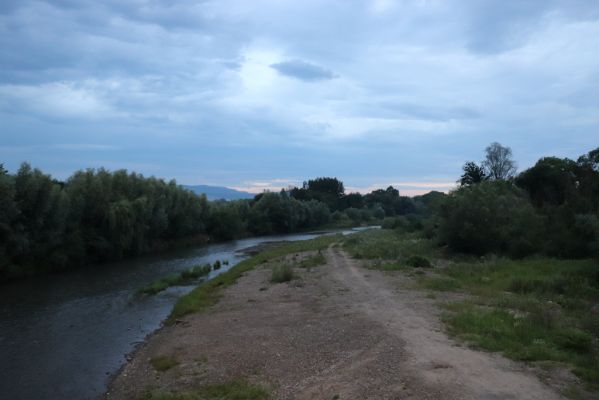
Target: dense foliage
<point x="551" y="208"/>
<point x="94" y="216"/>
<point x="97" y="216"/>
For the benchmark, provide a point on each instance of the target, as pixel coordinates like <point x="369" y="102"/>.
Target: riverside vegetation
<point x="97" y="216"/>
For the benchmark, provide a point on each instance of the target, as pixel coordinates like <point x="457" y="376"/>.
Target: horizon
<point x="251" y="97"/>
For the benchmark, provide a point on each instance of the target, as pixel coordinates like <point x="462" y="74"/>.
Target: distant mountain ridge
<point x="219" y="192"/>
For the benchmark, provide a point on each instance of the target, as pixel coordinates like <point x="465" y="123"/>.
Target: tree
<point x="498" y="163"/>
<point x="591" y="159"/>
<point x="490" y="217"/>
<point x="327" y="190"/>
<point x="551" y="181"/>
<point x="473" y="173"/>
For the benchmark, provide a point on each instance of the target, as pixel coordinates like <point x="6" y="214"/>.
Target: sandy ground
<point x="341" y="332"/>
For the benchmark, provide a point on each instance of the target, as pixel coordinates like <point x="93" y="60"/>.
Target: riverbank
<point x="64" y="337"/>
<point x="336" y="331"/>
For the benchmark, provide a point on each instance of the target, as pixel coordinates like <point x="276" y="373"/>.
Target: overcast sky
<point x="263" y="93"/>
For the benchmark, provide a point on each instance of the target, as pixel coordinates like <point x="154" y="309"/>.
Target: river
<point x="62" y="336"/>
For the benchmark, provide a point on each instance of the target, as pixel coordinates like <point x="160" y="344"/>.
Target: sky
<point x="264" y="94"/>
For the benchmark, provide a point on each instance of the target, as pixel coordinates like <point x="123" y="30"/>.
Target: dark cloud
<point x="303" y="70"/>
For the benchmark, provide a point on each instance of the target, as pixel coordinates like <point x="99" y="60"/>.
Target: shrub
<point x="216" y="265"/>
<point x="353" y="214"/>
<point x="282" y="273"/>
<point x="574" y="339"/>
<point x="418" y="262"/>
<point x="491" y="217"/>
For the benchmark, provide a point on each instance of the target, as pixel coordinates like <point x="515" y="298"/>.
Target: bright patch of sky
<point x="267" y="93"/>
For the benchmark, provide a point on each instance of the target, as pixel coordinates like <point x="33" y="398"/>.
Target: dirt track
<point x="341" y="331"/>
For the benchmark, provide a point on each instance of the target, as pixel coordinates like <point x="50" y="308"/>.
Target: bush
<point x="418" y="262"/>
<point x="353" y="214"/>
<point x="282" y="273"/>
<point x="574" y="339"/>
<point x="491" y="217"/>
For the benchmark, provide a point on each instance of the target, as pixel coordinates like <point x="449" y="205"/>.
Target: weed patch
<point x="282" y="273"/>
<point x="236" y="390"/>
<point x="182" y="278"/>
<point x="313" y="261"/>
<point x="418" y="262"/>
<point x="163" y="363"/>
<point x="440" y="283"/>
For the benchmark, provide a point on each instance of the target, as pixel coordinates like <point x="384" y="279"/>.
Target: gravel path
<point x="340" y="332"/>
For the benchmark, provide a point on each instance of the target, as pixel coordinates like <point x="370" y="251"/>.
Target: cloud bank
<point x="226" y="92"/>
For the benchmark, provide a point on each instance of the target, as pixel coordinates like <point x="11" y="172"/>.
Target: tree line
<point x="551" y="208"/>
<point x="97" y="216"/>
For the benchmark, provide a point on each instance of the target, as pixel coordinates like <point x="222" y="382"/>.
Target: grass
<point x="282" y="273"/>
<point x="389" y="245"/>
<point x="208" y="293"/>
<point x="440" y="283"/>
<point x="163" y="363"/>
<point x="235" y="390"/>
<point x="418" y="261"/>
<point x="388" y="266"/>
<point x="530" y="310"/>
<point x="182" y="278"/>
<point x="313" y="261"/>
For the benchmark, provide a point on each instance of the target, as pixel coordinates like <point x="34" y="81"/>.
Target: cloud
<point x="59" y="99"/>
<point x="201" y="91"/>
<point x="303" y="70"/>
<point x="273" y="185"/>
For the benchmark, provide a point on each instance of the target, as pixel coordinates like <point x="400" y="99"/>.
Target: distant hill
<point x="219" y="192"/>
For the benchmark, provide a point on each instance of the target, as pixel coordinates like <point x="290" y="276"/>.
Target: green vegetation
<point x="235" y="390"/>
<point x="418" y="262"/>
<point x="208" y="293"/>
<point x="392" y="266"/>
<point x="532" y="310"/>
<point x="180" y="279"/>
<point x="163" y="363"/>
<point x="96" y="216"/>
<point x="390" y="245"/>
<point x="313" y="260"/>
<point x="282" y="273"/>
<point x="551" y="208"/>
<point x="93" y="217"/>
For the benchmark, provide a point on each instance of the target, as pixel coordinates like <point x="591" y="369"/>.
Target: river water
<point x="62" y="336"/>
